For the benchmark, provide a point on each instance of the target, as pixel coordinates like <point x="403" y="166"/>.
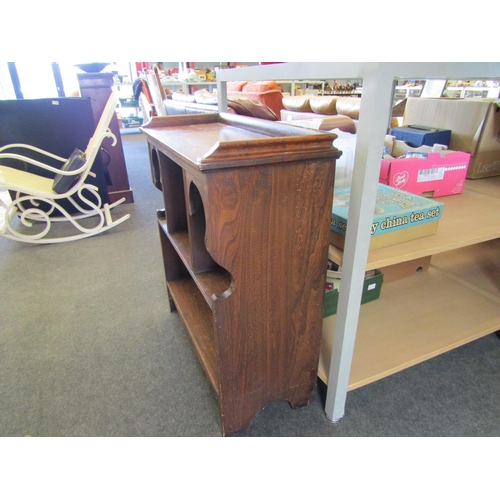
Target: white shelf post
<point x="375" y="114"/>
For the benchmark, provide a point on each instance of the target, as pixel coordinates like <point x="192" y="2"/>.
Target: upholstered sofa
<point x="266" y="93"/>
<point x="322" y="112"/>
<point x="329" y="112"/>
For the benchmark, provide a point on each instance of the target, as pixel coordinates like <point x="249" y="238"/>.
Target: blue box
<point x="421" y="135"/>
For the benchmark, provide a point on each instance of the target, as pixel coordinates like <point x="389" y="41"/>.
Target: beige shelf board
<point x="415" y="319"/>
<point x="468" y="218"/>
<point x="488" y="185"/>
<point x="476" y="265"/>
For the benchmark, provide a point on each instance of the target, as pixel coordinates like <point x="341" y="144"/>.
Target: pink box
<point x="440" y="174"/>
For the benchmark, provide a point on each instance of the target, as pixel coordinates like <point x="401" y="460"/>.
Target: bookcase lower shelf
<point x="418" y="317"/>
<point x="193" y="311"/>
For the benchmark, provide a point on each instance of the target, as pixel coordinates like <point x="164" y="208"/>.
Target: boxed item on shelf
<point x="129" y="102"/>
<point x="422" y="135"/>
<point x="474" y="124"/>
<point x="399" y="216"/>
<point x="404" y="269"/>
<point x="426" y="171"/>
<point x="372" y="287"/>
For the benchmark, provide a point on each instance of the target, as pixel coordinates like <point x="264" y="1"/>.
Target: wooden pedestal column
<point x="97" y="86"/>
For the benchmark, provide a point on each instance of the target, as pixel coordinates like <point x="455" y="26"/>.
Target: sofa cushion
<point x="236" y="86"/>
<point x="185" y="108"/>
<point x="297" y="103"/>
<point x="180" y="96"/>
<point x="319" y="122"/>
<point x="260" y="86"/>
<point x="250" y="107"/>
<point x="325" y="105"/>
<point x="349" y="106"/>
<point x="203" y="96"/>
<point x="273" y="99"/>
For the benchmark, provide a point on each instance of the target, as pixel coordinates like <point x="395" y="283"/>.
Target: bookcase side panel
<point x="268" y="226"/>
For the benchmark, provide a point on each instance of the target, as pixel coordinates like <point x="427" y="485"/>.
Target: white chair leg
<point x="34" y="214"/>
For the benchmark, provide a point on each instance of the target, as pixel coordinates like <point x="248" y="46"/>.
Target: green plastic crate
<point x="371" y="291"/>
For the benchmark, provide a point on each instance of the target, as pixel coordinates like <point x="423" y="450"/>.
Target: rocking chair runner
<point x="30" y="190"/>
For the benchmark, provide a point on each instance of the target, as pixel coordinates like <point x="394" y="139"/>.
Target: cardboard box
<point x="474" y="125"/>
<point x="399" y="216"/>
<point x="404" y="269"/>
<point x="437" y="173"/>
<point x="422" y="135"/>
<point x="372" y="287"/>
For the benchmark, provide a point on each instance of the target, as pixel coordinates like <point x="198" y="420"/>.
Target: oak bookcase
<point x="244" y="235"/>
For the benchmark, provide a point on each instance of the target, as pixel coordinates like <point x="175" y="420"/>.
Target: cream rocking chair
<point x="31" y="189"/>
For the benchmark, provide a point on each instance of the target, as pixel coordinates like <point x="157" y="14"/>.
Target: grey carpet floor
<point x="88" y="347"/>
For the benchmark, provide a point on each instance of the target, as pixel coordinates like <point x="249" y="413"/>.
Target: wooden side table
<point x="244" y="236"/>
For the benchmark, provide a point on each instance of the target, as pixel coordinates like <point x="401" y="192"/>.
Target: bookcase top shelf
<point x="223" y="140"/>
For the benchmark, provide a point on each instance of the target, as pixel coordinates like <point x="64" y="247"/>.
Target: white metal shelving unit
<point x="378" y="80"/>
